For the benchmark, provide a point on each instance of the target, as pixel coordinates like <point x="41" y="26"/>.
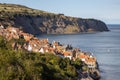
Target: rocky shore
<point x="32" y="44"/>
<point x="40" y="22"/>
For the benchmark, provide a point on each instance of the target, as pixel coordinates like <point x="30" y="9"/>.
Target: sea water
<point x="104" y="45"/>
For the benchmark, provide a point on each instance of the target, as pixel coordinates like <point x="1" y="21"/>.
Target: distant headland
<point x="40" y="22"/>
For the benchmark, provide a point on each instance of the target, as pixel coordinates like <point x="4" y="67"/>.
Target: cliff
<point x="40" y="22"/>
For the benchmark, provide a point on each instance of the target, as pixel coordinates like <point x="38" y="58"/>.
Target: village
<point x="33" y="44"/>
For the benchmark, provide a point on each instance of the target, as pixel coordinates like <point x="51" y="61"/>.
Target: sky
<point x="105" y="10"/>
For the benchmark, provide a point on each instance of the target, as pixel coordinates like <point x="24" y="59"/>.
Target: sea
<point x="105" y="46"/>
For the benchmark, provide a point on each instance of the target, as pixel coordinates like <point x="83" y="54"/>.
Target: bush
<point x="33" y="66"/>
<point x="2" y="43"/>
<point x="23" y="65"/>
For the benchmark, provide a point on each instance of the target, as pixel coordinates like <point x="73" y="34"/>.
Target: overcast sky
<point x="105" y="10"/>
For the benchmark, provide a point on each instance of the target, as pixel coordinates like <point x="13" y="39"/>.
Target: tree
<point x="2" y="43"/>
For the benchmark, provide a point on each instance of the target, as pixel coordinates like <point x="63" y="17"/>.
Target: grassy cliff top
<point x="20" y="9"/>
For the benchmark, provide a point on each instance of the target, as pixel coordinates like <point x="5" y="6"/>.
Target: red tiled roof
<point x="67" y="53"/>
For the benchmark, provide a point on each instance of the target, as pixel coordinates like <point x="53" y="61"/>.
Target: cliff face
<point x="37" y="22"/>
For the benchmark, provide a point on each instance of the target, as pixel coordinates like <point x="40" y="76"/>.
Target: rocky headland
<point x="40" y="22"/>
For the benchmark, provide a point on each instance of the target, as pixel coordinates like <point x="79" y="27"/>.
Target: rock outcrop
<point x="41" y="22"/>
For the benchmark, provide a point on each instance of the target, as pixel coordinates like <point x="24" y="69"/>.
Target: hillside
<point x="23" y="65"/>
<point x="40" y="22"/>
<point x="25" y="57"/>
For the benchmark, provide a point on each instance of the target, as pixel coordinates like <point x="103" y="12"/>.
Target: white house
<point x="41" y="50"/>
<point x="29" y="47"/>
